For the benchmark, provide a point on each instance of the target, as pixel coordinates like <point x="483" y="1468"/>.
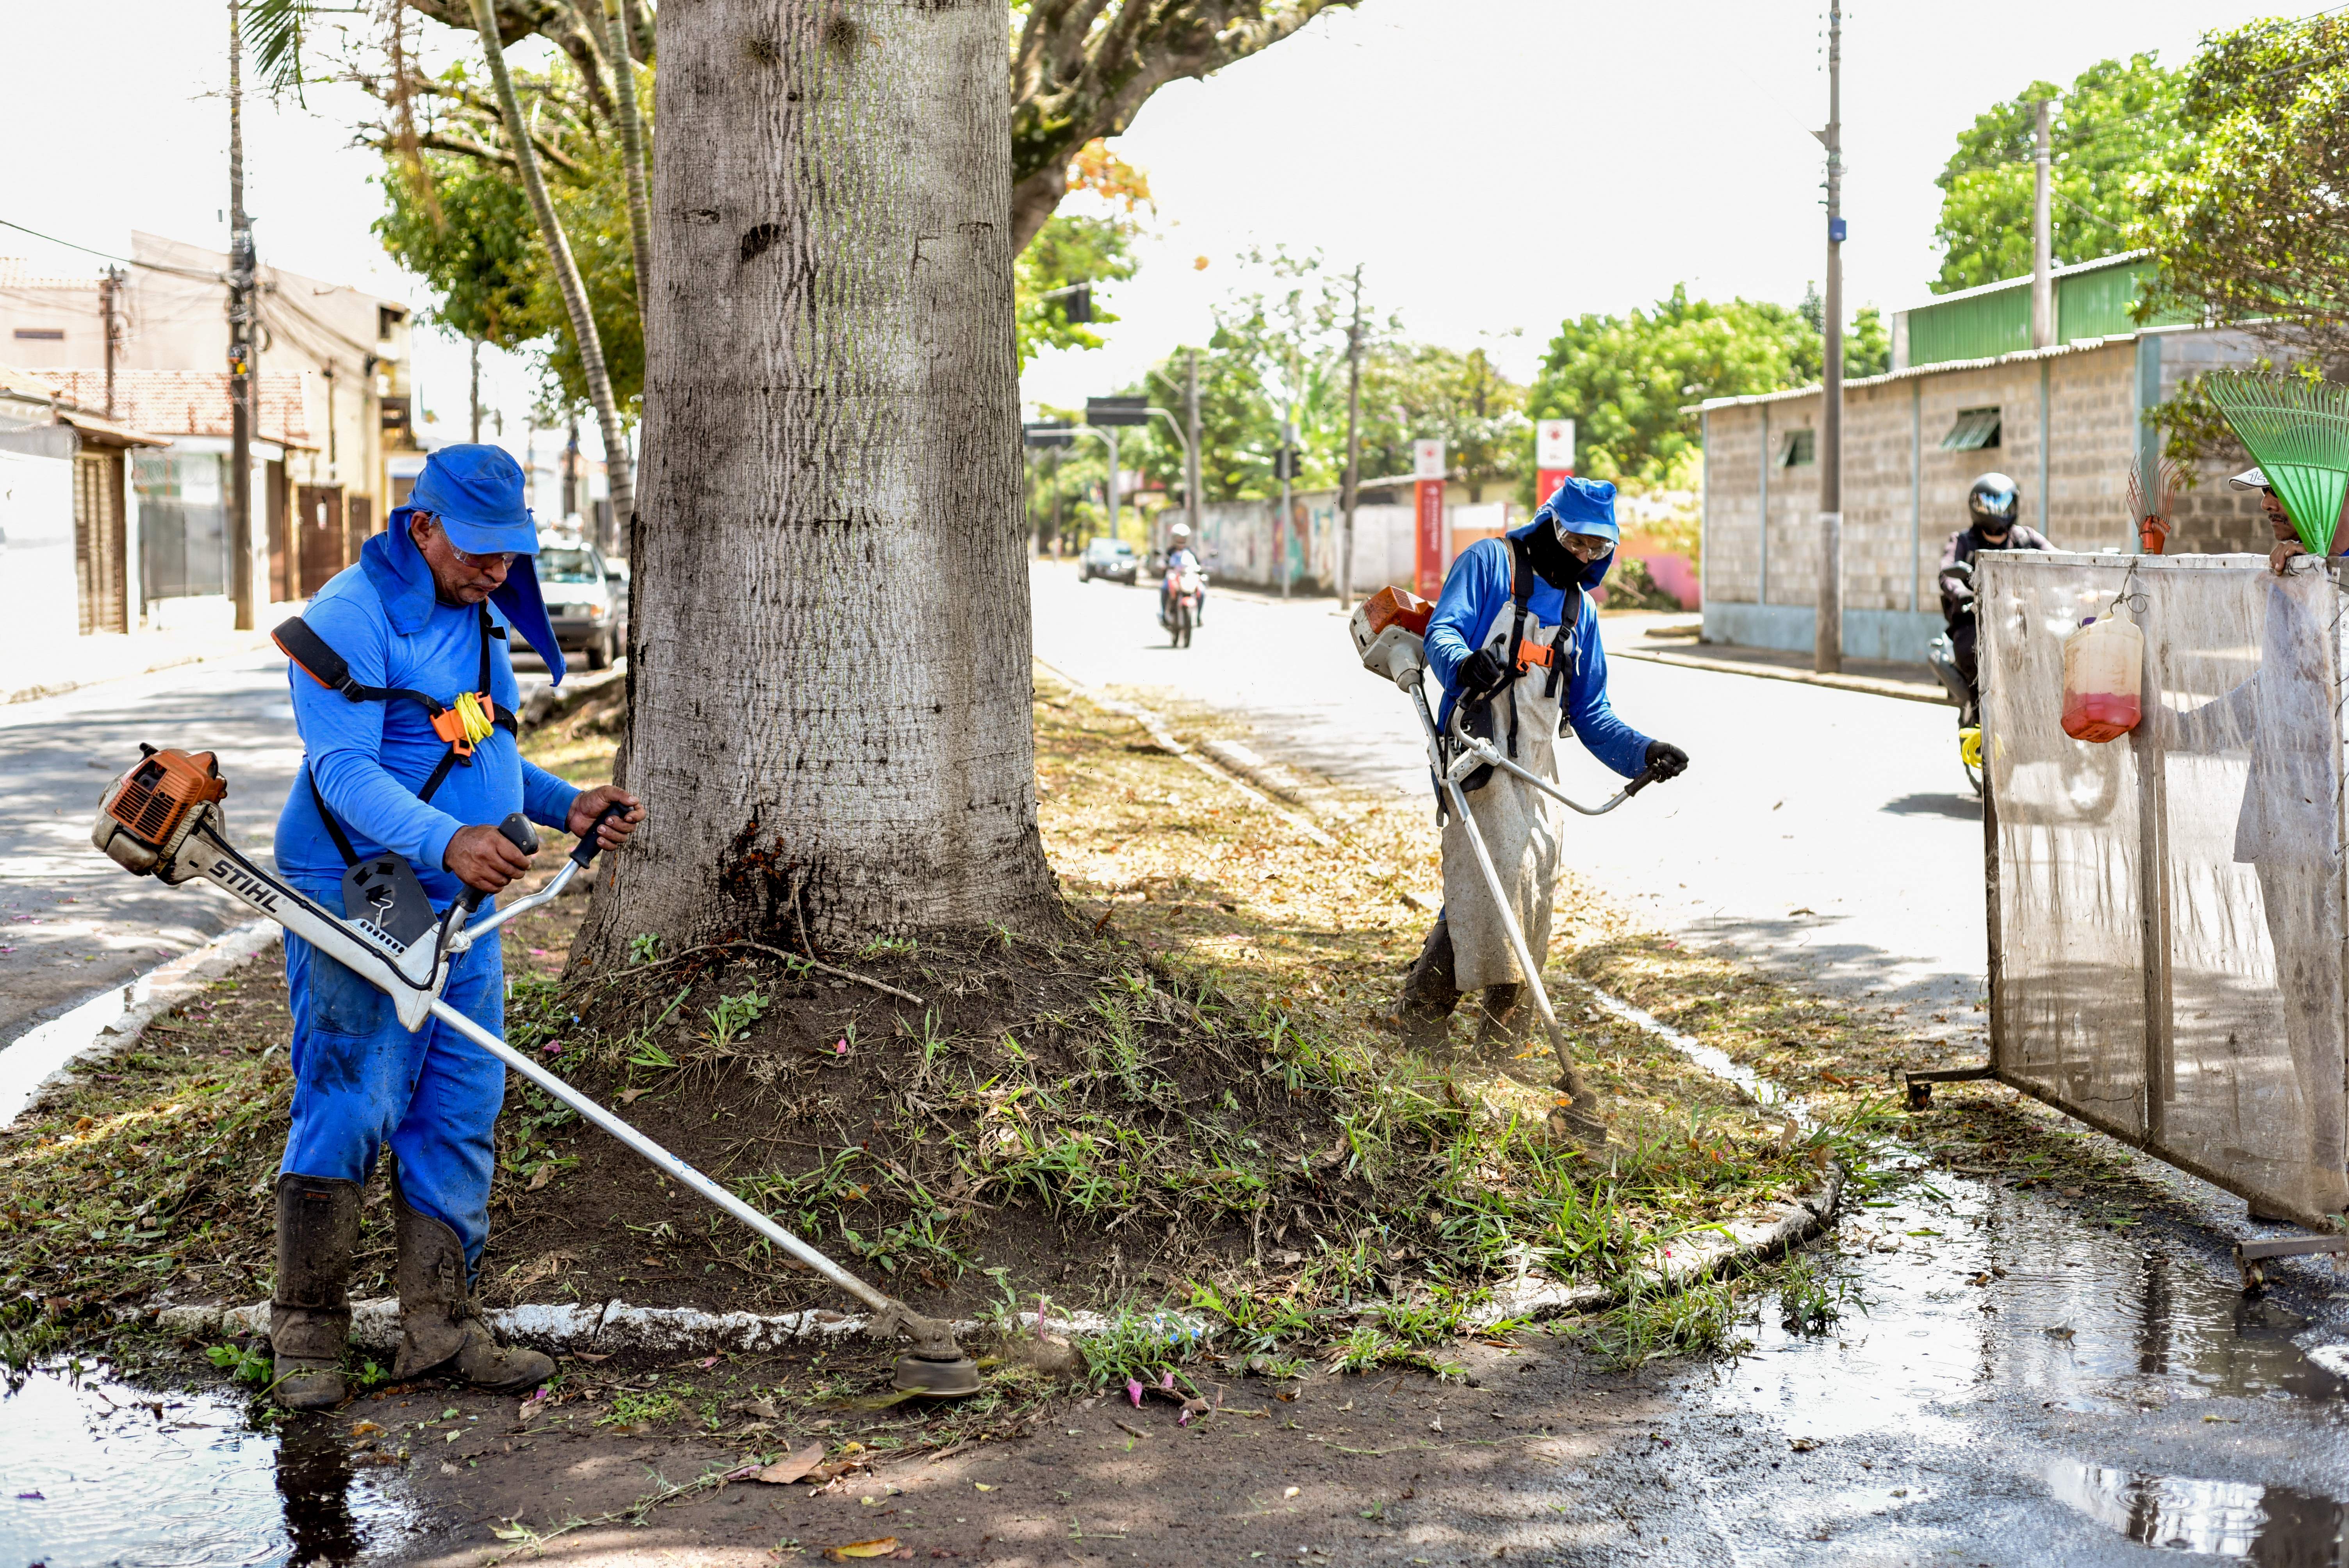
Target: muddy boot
<point x="1507" y="1015"/>
<point x="441" y="1328"/>
<point x="310" y="1310"/>
<point x="1422" y="1014"/>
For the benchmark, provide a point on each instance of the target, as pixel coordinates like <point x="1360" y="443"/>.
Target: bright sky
<point x="1494" y="164"/>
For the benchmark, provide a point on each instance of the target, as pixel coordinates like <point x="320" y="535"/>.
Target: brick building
<point x="2065" y="422"/>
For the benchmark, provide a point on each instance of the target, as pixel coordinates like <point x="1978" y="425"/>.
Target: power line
<point x="108" y="256"/>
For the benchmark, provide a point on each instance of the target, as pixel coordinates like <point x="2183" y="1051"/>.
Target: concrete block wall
<point x="1903" y="495"/>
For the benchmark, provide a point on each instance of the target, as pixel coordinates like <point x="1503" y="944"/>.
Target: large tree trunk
<point x="829" y="681"/>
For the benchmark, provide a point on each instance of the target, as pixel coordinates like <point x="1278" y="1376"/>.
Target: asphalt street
<point x="1826" y="835"/>
<point x="72" y="924"/>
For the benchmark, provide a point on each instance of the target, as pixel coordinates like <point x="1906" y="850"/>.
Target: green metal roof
<point x="2091" y="300"/>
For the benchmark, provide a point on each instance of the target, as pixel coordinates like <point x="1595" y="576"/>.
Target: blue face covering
<point x="403" y="580"/>
<point x="476" y="493"/>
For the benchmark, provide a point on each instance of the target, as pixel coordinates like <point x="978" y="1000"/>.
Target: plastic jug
<point x="2104" y="664"/>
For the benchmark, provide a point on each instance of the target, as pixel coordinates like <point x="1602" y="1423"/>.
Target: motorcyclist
<point x="1178" y="556"/>
<point x="1991" y="506"/>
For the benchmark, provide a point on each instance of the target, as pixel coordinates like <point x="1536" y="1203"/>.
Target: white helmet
<point x="1182" y="531"/>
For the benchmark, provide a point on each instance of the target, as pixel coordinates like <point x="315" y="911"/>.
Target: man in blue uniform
<point x="423" y="617"/>
<point x="1514" y="638"/>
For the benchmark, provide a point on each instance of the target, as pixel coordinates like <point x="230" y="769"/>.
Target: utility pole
<point x="240" y="341"/>
<point x="476" y="436"/>
<point x="1287" y="468"/>
<point x="1109" y="434"/>
<point x="2042" y="231"/>
<point x="109" y="301"/>
<point x="572" y="500"/>
<point x="1354" y="445"/>
<point x="1827" y="657"/>
<point x="1191" y="456"/>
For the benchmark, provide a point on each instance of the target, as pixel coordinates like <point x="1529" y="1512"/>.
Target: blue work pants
<point x="361" y="1081"/>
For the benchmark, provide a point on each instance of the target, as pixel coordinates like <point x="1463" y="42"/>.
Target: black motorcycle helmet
<point x="1993" y="504"/>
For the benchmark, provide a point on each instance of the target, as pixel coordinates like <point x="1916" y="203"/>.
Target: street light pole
<point x="1827" y="657"/>
<point x="240" y="342"/>
<point x="1287" y="467"/>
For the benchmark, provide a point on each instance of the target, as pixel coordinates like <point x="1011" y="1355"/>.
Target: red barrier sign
<point x="1427" y="463"/>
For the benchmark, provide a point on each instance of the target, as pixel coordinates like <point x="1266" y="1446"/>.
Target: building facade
<point x="147" y="346"/>
<point x="2067" y="423"/>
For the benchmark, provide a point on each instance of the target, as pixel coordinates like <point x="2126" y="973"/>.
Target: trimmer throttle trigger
<point x="1647" y="776"/>
<point x="585" y="852"/>
<point x="518" y="832"/>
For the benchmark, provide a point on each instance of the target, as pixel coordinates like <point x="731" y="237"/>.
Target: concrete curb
<point x="116" y="1019"/>
<point x="1904" y="690"/>
<point x="616" y="1325"/>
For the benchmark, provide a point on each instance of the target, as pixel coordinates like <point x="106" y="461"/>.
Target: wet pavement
<point x="2014" y="1379"/>
<point x="95" y="1470"/>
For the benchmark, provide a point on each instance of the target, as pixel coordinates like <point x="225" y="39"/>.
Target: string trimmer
<point x="163" y="819"/>
<point x="1390" y="631"/>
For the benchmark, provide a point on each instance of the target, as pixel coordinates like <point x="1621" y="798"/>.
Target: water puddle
<point x="2273" y="1524"/>
<point x="96" y="1472"/>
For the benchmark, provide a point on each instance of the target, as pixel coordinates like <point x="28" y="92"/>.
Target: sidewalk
<point x="84" y="660"/>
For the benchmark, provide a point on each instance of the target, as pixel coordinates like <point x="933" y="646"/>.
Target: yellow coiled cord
<point x="474" y="715"/>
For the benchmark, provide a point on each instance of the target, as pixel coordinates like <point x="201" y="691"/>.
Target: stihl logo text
<point x="251" y="889"/>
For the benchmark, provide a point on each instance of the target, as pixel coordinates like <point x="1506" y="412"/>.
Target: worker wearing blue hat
<point x="411" y="763"/>
<point x="1514" y="638"/>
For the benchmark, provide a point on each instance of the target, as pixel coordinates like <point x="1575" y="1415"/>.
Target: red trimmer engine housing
<point x="148" y="811"/>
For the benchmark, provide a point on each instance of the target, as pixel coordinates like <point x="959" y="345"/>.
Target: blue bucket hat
<point x="476" y="493"/>
<point x="1582" y="505"/>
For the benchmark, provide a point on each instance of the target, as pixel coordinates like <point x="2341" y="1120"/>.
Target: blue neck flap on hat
<point x="403" y="580"/>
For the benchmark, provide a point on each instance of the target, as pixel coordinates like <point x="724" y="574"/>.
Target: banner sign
<point x="1553" y="457"/>
<point x="1427" y="464"/>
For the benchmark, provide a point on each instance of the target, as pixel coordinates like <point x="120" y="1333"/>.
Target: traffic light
<point x="1080" y="306"/>
<point x="1288" y="463"/>
<point x="1048" y="433"/>
<point x="1124" y="410"/>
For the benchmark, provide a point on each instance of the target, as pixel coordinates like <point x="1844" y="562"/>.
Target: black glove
<point x="1481" y="673"/>
<point x="1666" y="760"/>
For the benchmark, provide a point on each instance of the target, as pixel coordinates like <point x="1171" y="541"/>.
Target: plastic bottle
<point x="2104" y="664"/>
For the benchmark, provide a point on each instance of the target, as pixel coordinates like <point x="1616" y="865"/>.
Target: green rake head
<point x="2298" y="432"/>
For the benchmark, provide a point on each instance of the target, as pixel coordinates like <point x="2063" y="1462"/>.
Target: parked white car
<point x="586" y="597"/>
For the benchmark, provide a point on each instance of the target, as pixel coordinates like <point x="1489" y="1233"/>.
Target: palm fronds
<point x="2298" y="429"/>
<point x="274" y="29"/>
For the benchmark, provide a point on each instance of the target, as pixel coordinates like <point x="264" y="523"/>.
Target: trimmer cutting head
<point x="939" y="1379"/>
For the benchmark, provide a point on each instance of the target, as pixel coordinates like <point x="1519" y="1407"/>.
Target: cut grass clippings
<point x="1182" y="1105"/>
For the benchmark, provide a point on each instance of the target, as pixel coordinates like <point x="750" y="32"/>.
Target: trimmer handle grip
<point x="583" y="853"/>
<point x="521" y="836"/>
<point x="1647" y="776"/>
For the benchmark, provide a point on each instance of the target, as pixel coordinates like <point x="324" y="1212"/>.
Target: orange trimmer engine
<point x="1389" y="628"/>
<point x="150" y="810"/>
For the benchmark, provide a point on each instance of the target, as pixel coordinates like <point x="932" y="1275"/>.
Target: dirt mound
<point x="1047" y="1118"/>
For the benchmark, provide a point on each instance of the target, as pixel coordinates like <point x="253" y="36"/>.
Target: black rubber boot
<point x="441" y="1328"/>
<point x="1507" y="1015"/>
<point x="1422" y="1014"/>
<point x="310" y="1310"/>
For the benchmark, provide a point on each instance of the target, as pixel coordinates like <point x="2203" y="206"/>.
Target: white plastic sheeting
<point x="2166" y="911"/>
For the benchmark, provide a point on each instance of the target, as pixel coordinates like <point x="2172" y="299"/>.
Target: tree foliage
<point x="2119" y="121"/>
<point x="2253" y="229"/>
<point x="1073" y="248"/>
<point x="1625" y="381"/>
<point x="467" y="229"/>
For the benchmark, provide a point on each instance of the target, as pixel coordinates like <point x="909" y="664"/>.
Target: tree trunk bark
<point x="830" y="691"/>
<point x="616" y="467"/>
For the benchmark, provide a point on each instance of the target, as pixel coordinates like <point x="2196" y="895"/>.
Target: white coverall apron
<point x="1519" y="825"/>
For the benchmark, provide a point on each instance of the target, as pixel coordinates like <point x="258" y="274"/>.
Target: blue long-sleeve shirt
<point x="1476" y="591"/>
<point x="370" y="758"/>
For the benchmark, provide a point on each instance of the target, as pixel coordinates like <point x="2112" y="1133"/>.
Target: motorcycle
<point x="1183" y="589"/>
